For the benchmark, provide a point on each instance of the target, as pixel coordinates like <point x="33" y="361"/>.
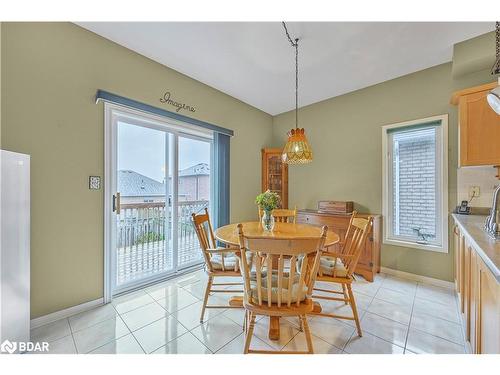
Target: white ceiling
<point x="254" y="62"/>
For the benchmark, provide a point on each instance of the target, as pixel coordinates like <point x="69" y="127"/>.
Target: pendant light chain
<point x="295" y="44"/>
<point x="496" y="66"/>
<point x="297" y="149"/>
<point x="497" y="38"/>
<point x="296" y="83"/>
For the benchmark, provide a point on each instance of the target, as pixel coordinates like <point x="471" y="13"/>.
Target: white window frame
<point x="442" y="183"/>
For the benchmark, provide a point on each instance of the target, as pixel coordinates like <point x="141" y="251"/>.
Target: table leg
<point x="274" y="328"/>
<point x="274" y="323"/>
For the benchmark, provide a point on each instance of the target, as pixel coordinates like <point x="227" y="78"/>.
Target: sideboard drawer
<point x="331" y="221"/>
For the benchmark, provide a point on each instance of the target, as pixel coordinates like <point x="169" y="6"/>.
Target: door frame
<point x="176" y="128"/>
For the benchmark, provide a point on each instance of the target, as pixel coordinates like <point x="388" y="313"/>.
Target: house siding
<point x="415" y="204"/>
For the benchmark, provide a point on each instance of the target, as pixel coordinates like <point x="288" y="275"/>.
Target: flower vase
<point x="268" y="221"/>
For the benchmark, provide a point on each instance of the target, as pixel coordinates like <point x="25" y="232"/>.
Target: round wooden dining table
<point x="228" y="234"/>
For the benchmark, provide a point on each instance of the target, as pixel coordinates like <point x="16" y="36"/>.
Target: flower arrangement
<point x="268" y="200"/>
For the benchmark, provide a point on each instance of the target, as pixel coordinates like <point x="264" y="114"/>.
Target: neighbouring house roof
<point x="200" y="169"/>
<point x="133" y="184"/>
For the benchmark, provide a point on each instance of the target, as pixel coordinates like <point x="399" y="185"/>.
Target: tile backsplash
<point x="484" y="177"/>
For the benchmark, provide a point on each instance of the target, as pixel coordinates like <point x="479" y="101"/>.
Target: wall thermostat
<point x="94" y="182"/>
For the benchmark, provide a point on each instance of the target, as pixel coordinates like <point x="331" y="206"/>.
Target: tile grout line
<point x="157" y="320"/>
<point x="72" y="336"/>
<point x="132" y="332"/>
<point x="166" y="343"/>
<point x="94" y="324"/>
<point x="354" y="332"/>
<point x="411" y="317"/>
<point x="196" y="338"/>
<point x="178" y="321"/>
<point x="439" y="337"/>
<point x="341" y="322"/>
<point x="439" y="318"/>
<point x="138" y="342"/>
<point x="433" y="335"/>
<point x="183" y="287"/>
<point x="226" y="344"/>
<point x="218" y="315"/>
<point x="112" y="340"/>
<point x="457" y="307"/>
<point x="289" y="341"/>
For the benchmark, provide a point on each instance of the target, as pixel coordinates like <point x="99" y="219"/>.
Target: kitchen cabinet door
<point x="467" y="290"/>
<point x="474" y="298"/>
<point x="456" y="244"/>
<point x="461" y="270"/>
<point x="479" y="127"/>
<point x="488" y="327"/>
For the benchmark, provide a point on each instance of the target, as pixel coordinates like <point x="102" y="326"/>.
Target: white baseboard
<point x="61" y="314"/>
<point x="419" y="278"/>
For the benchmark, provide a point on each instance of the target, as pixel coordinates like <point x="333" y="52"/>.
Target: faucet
<point x="492" y="225"/>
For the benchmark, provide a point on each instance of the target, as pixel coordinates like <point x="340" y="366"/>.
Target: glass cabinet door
<point x="275" y="174"/>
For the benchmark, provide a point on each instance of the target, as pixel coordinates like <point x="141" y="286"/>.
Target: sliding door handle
<point x="116" y="203"/>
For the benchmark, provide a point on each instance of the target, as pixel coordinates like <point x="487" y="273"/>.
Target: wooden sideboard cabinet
<point x="369" y="261"/>
<point x="479" y="127"/>
<point x="479" y="297"/>
<point x="275" y="174"/>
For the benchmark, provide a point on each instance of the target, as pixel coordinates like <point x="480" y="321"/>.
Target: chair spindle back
<point x="276" y="279"/>
<point x="355" y="239"/>
<point x="282" y="215"/>
<point x="205" y="235"/>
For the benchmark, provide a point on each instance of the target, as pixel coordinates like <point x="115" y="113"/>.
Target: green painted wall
<point x="473" y="55"/>
<point x="346" y="137"/>
<point x="50" y="74"/>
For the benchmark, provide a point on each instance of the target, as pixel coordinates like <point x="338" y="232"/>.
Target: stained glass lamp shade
<point x="297" y="149"/>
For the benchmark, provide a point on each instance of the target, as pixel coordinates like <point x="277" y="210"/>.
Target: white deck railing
<point x="144" y="239"/>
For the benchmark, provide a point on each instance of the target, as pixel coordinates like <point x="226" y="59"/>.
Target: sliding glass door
<point x="159" y="175"/>
<point x="194" y="194"/>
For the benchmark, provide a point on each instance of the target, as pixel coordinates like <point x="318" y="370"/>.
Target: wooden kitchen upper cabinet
<point x="275" y="174"/>
<point x="479" y="127"/>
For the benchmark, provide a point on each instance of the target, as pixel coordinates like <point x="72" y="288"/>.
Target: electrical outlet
<point x="474" y="191"/>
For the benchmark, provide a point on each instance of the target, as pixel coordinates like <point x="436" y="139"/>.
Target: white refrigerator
<point x="14" y="249"/>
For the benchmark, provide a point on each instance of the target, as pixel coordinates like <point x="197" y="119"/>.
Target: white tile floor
<point x="398" y="316"/>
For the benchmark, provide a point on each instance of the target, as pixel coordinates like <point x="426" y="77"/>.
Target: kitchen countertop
<point x="487" y="248"/>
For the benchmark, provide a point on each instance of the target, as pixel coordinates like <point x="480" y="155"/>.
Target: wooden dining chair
<point x="338" y="268"/>
<point x="348" y="232"/>
<point x="342" y="247"/>
<point x="219" y="261"/>
<point x="279" y="291"/>
<point x="282" y="215"/>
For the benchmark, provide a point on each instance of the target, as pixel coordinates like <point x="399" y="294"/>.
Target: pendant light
<point x="297" y="149"/>
<point x="494" y="95"/>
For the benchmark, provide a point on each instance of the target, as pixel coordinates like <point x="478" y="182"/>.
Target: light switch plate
<point x="94" y="182"/>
